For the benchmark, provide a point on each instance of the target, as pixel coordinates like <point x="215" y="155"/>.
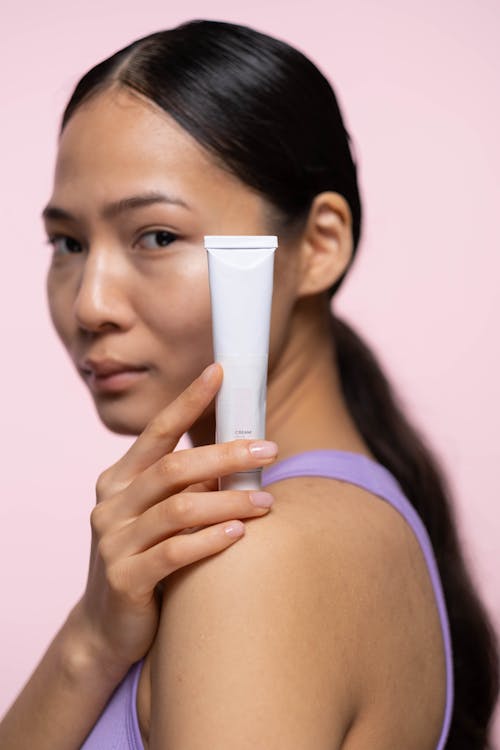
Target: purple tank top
<point x="118" y="728"/>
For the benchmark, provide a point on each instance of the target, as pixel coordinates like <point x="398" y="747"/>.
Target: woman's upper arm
<point x="248" y="653"/>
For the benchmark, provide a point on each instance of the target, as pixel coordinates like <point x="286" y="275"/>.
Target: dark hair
<point x="268" y="115"/>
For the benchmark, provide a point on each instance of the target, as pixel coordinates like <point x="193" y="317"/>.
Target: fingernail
<point x="235" y="528"/>
<point x="263" y="449"/>
<point x="262" y="499"/>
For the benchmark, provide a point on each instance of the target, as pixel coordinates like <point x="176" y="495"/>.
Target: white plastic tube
<point x="240" y="270"/>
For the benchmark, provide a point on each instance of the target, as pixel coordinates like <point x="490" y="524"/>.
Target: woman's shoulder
<point x="251" y="629"/>
<point x="374" y="584"/>
<point x="346" y="528"/>
<point x="314" y="599"/>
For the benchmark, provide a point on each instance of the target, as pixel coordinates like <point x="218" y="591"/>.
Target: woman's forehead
<point x="119" y="127"/>
<point x="117" y="145"/>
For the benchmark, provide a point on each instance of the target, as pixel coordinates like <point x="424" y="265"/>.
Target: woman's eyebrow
<point x="110" y="210"/>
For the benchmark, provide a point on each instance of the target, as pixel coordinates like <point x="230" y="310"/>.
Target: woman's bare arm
<point x="145" y="503"/>
<point x="254" y="647"/>
<point x="64" y="696"/>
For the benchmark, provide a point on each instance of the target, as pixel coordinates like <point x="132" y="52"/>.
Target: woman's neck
<point x="306" y="409"/>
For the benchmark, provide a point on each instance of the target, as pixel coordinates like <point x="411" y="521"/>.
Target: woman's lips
<point x="117" y="381"/>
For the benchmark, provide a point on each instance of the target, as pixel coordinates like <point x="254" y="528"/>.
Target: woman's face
<point x="130" y="282"/>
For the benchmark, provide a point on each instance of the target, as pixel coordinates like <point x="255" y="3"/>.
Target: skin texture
<point x="114" y="292"/>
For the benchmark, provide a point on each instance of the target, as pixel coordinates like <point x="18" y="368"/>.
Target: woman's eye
<point x="72" y="245"/>
<point x="161" y="237"/>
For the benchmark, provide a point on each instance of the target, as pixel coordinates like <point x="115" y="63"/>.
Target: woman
<point x="323" y="622"/>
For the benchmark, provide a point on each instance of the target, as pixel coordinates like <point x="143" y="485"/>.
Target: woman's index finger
<point x="163" y="432"/>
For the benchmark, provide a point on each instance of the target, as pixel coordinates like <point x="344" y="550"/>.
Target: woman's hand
<point x="148" y="504"/>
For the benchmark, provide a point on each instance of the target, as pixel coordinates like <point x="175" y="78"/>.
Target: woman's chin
<point x="122" y="420"/>
<point x="129" y="413"/>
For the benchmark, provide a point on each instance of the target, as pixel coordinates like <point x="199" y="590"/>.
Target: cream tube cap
<point x="241" y="241"/>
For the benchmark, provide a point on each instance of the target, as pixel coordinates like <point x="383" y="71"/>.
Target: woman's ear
<point x="326" y="245"/>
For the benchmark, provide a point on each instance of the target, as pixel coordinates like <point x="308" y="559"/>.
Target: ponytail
<point x="397" y="444"/>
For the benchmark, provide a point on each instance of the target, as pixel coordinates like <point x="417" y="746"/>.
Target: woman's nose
<point x="101" y="299"/>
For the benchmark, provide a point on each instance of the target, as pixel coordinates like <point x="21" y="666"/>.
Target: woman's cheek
<point x="184" y="325"/>
<point x="175" y="310"/>
<point x="183" y="300"/>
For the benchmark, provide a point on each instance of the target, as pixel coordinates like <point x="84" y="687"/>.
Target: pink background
<point x="418" y="83"/>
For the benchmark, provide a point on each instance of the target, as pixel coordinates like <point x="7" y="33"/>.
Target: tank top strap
<point x="335" y="464"/>
<point x="363" y="471"/>
<point x="348" y="467"/>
